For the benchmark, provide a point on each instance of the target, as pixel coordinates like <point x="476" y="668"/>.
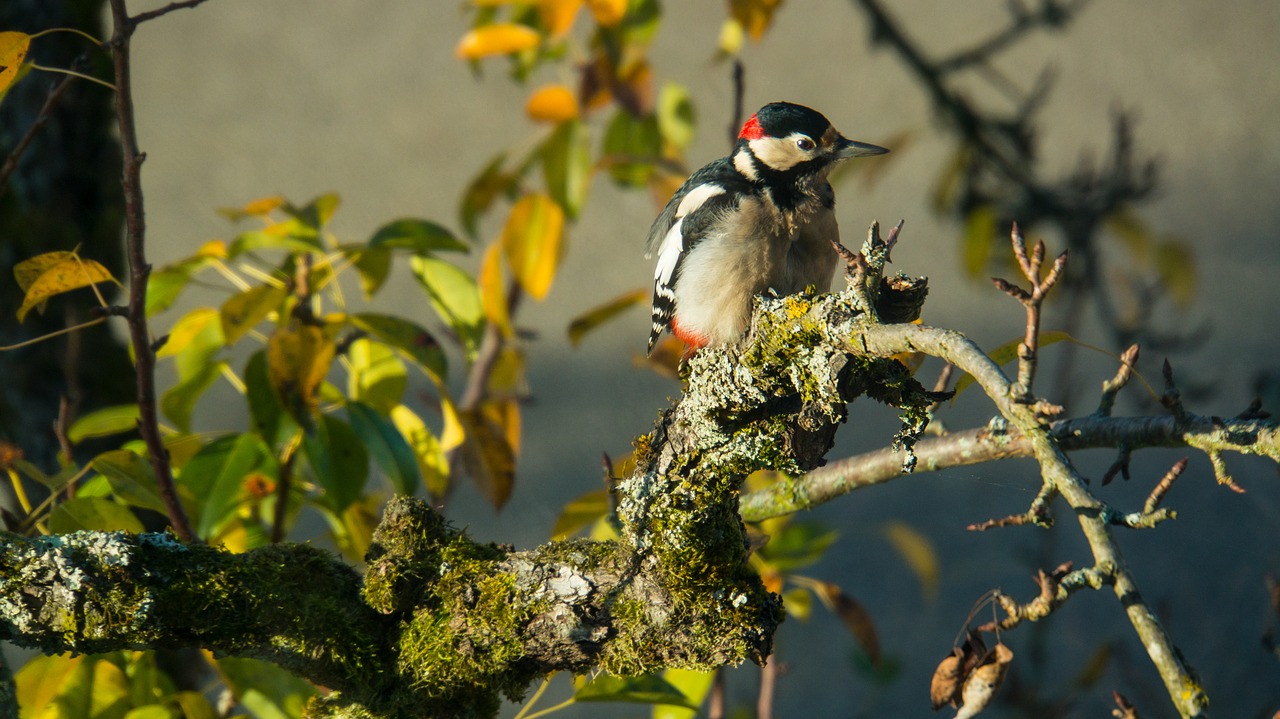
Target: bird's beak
<point x="851" y="148"/>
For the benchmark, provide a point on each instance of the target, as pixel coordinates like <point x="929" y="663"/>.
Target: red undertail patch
<point x="692" y="339"/>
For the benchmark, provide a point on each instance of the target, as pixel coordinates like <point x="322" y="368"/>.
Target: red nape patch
<point x="692" y="340"/>
<point x="752" y="130"/>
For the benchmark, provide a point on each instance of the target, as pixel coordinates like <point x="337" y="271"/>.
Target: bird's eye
<point x="805" y="144"/>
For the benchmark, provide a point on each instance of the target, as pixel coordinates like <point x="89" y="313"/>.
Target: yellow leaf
<point x="558" y="15"/>
<point x="55" y="273"/>
<point x="533" y="241"/>
<point x="1177" y="267"/>
<point x="13" y="50"/>
<point x="243" y="311"/>
<point x="426" y="449"/>
<point x="607" y="12"/>
<point x="552" y="103"/>
<point x="498" y="39"/>
<point x="493" y="290"/>
<point x="918" y="552"/>
<point x="213" y="249"/>
<point x="186" y="329"/>
<point x="263" y="206"/>
<point x="579" y="514"/>
<point x="731" y="37"/>
<point x="453" y="434"/>
<point x="489" y="455"/>
<point x="298" y="358"/>
<point x="755" y="16"/>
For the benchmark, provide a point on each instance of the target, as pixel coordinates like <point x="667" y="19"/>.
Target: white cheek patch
<point x="780" y="153"/>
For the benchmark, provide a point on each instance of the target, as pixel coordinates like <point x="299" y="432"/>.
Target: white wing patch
<point x="673" y="243"/>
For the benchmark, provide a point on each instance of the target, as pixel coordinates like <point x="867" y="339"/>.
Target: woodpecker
<point x="760" y="219"/>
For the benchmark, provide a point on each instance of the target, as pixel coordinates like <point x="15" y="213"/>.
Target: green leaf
<point x="270" y="420"/>
<point x="647" y="689"/>
<point x="131" y="477"/>
<point x="411" y="339"/>
<point x="566" y="165"/>
<point x="245" y="310"/>
<point x="163" y="287"/>
<point x="694" y="685"/>
<point x="432" y="462"/>
<point x="104" y="423"/>
<point x="799" y="544"/>
<point x="376" y="374"/>
<point x="580" y="513"/>
<point x="152" y="711"/>
<point x="216" y="477"/>
<point x="632" y="147"/>
<point x="317" y="213"/>
<point x="290" y="235"/>
<point x="798" y="602"/>
<point x="197" y="331"/>
<point x="179" y="401"/>
<point x="267" y="691"/>
<point x="676" y="117"/>
<point x="195" y="706"/>
<point x="533" y="241"/>
<point x="388" y="447"/>
<point x="372" y="263"/>
<point x="454" y="296"/>
<point x="600" y="314"/>
<point x="51" y="274"/>
<point x="94" y="514"/>
<point x="418" y="236"/>
<point x="480" y="195"/>
<point x="339" y="461"/>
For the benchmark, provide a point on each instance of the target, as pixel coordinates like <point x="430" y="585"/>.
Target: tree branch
<point x="140" y="272"/>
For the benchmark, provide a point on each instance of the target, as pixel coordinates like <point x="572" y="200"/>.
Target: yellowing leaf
<point x="732" y="35"/>
<point x="13" y="50"/>
<point x="493" y="290"/>
<point x="918" y="552"/>
<point x="1008" y="352"/>
<point x="533" y="242"/>
<point x="432" y="463"/>
<point x="213" y="249"/>
<point x="298" y="358"/>
<point x="489" y="455"/>
<point x="1177" y="267"/>
<point x="557" y="15"/>
<point x="452" y="435"/>
<point x="245" y="310"/>
<point x="497" y="39"/>
<point x="580" y="513"/>
<point x="54" y="273"/>
<point x="607" y="12"/>
<point x="600" y="314"/>
<point x="852" y="614"/>
<point x="755" y="16"/>
<point x="552" y="103"/>
<point x="979" y="239"/>
<point x="186" y="329"/>
<point x="263" y="206"/>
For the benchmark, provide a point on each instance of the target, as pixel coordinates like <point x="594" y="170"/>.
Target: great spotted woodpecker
<point x="760" y="219"/>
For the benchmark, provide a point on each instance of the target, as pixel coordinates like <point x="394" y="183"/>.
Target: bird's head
<point x="783" y="137"/>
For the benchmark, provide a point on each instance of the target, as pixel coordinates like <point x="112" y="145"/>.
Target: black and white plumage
<point x="760" y="219"/>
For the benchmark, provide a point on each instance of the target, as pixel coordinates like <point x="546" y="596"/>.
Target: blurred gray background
<point x="239" y="99"/>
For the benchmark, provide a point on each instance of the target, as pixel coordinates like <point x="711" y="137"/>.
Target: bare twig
<point x="739" y="101"/>
<point x="11" y="162"/>
<point x="153" y="14"/>
<point x="1162" y="488"/>
<point x="1032" y="301"/>
<point x="1112" y="387"/>
<point x="140" y="272"/>
<point x="1038" y="514"/>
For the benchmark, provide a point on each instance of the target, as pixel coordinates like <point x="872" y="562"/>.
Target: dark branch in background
<point x="140" y="270"/>
<point x="11" y="162"/>
<point x="739" y="101"/>
<point x="997" y="167"/>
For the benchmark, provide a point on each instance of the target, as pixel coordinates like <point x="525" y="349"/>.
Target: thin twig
<point x="42" y="117"/>
<point x="1112" y="387"/>
<point x="140" y="272"/>
<point x="153" y="14"/>
<point x="739" y="101"/>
